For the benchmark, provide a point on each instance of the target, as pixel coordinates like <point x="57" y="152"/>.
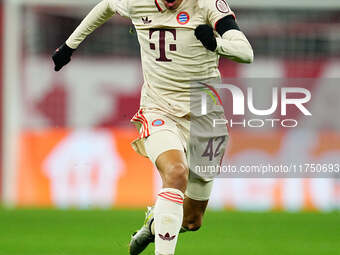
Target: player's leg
<point x="206" y="150"/>
<point x="173" y="169"/>
<point x="193" y="214"/>
<point x="163" y="223"/>
<point x="195" y="203"/>
<point x="194" y="209"/>
<point x="168" y="211"/>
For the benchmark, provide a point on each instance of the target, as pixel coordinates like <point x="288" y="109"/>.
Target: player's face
<point x="172" y="4"/>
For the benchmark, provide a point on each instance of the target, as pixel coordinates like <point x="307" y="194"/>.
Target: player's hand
<point x="62" y="56"/>
<point x="205" y="34"/>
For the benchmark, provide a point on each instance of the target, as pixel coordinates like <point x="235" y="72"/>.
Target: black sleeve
<point x="225" y="24"/>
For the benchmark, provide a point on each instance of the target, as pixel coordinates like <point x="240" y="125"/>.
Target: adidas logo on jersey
<point x="146" y="20"/>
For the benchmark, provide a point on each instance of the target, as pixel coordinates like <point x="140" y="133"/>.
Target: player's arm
<point x="97" y="16"/>
<point x="233" y="43"/>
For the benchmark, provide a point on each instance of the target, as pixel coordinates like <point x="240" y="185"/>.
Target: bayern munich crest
<point x="158" y="122"/>
<point x="222" y="6"/>
<point x="183" y="18"/>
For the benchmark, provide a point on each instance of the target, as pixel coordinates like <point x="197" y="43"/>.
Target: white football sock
<point x="182" y="230"/>
<point x="168" y="217"/>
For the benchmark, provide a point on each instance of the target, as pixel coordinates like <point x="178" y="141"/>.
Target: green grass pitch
<point x="107" y="232"/>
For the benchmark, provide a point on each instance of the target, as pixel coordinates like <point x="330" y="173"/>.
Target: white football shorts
<point x="203" y="144"/>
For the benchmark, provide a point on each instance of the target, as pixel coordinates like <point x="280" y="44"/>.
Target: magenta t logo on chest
<point x="162" y="43"/>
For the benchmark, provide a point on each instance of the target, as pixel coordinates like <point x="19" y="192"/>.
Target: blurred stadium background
<point x="66" y="136"/>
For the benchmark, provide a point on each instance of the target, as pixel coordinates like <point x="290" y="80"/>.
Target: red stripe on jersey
<point x="142" y="127"/>
<point x="158" y="6"/>
<point x="139" y="119"/>
<point x="147" y="123"/>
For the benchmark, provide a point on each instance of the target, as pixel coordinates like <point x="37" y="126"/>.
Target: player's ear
<point x="225" y="24"/>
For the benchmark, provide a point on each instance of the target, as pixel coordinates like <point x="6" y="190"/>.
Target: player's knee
<point x="177" y="176"/>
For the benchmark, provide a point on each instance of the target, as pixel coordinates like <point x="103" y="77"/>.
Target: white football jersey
<point x="172" y="57"/>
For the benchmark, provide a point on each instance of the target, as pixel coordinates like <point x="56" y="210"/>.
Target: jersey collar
<point x="160" y="5"/>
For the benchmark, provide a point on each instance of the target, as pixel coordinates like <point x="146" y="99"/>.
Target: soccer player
<point x="181" y="41"/>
